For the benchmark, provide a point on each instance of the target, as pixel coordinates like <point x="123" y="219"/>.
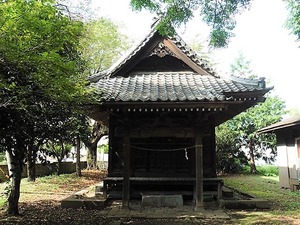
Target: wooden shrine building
<point x="162" y="104"/>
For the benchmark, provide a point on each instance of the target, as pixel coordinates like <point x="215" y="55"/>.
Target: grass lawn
<point x="53" y="188"/>
<point x="40" y="202"/>
<point x="285" y="207"/>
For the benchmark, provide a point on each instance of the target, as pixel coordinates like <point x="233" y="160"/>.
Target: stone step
<point x="162" y="200"/>
<point x="75" y="202"/>
<point x="227" y="192"/>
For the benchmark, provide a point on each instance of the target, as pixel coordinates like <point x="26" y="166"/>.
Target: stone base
<point x="162" y="200"/>
<point x="226" y="192"/>
<point x="253" y="203"/>
<point x="87" y="203"/>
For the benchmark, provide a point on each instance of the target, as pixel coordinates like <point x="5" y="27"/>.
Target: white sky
<point x="260" y="37"/>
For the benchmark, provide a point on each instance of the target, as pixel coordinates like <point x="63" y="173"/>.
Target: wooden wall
<point x="162" y="131"/>
<point x="288" y="159"/>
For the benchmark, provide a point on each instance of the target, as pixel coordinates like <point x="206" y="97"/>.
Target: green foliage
<point x="268" y="170"/>
<point x="219" y="15"/>
<point x="2" y="158"/>
<point x="101" y="44"/>
<point x="40" y="71"/>
<point x="105" y="147"/>
<point x="293" y="21"/>
<point x="248" y="123"/>
<point x="242" y="67"/>
<point x="38" y="47"/>
<point x="229" y="157"/>
<point x="40" y="77"/>
<point x="58" y="150"/>
<point x="2" y="202"/>
<point x="242" y="131"/>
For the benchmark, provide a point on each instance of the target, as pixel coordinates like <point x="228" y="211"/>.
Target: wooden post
<point x="78" y="165"/>
<point x="126" y="173"/>
<point x="213" y="151"/>
<point x="199" y="171"/>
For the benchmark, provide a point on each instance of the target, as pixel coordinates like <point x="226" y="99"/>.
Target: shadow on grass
<point x="261" y="217"/>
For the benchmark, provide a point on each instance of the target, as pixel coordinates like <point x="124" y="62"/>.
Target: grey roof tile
<point x="170" y="86"/>
<point x="178" y="41"/>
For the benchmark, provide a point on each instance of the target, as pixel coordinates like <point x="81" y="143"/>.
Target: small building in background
<point x="288" y="149"/>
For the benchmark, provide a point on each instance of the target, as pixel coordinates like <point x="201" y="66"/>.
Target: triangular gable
<point x="156" y="44"/>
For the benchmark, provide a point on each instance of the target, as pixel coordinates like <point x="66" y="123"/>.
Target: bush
<point x="105" y="146"/>
<point x="268" y="170"/>
<point x="230" y="159"/>
<point x="2" y="158"/>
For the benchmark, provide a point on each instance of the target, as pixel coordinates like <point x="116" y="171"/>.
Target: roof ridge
<point x="163" y="72"/>
<point x="196" y="59"/>
<point x="178" y="41"/>
<point x="290" y="121"/>
<point x="245" y="80"/>
<point x="125" y="57"/>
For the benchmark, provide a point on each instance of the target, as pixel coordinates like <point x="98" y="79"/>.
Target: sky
<point x="260" y="36"/>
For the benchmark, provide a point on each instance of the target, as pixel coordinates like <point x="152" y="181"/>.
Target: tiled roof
<point x="131" y="53"/>
<point x="180" y="43"/>
<point x="171" y="86"/>
<point x="123" y="59"/>
<point x="290" y="122"/>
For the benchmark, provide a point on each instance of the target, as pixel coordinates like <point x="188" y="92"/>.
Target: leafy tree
<point x="59" y="150"/>
<point x="2" y="157"/>
<point x="40" y="69"/>
<point x="81" y="10"/>
<point x="90" y="136"/>
<point x="242" y="129"/>
<point x="102" y="44"/>
<point x="293" y="20"/>
<point x="219" y="15"/>
<point x="64" y="126"/>
<point x="230" y="158"/>
<point x="255" y="118"/>
<point x="242" y="67"/>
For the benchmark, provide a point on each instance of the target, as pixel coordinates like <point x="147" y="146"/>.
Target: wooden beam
<point x="199" y="171"/>
<point x="170" y="105"/>
<point x="126" y="173"/>
<point x="170" y="44"/>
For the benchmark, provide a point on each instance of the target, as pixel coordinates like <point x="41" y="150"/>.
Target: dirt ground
<point x="51" y="213"/>
<point x="44" y="208"/>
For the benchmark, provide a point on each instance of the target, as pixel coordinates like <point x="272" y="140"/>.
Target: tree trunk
<point x="78" y="166"/>
<point x="31" y="156"/>
<point x="58" y="166"/>
<point x="16" y="165"/>
<point x="31" y="174"/>
<point x="92" y="156"/>
<point x="98" y="131"/>
<point x="60" y="157"/>
<point x="252" y="158"/>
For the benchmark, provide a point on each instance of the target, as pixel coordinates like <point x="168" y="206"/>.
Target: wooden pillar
<point x="126" y="173"/>
<point x="213" y="151"/>
<point x="199" y="171"/>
